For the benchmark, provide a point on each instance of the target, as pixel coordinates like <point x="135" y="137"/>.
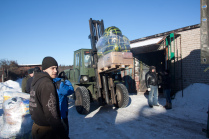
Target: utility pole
<point x="204" y="31"/>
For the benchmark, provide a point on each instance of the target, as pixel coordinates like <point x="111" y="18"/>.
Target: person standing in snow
<point x="64" y="89"/>
<point x="167" y="89"/>
<point x="24" y="81"/>
<point x="151" y="80"/>
<point x="44" y="104"/>
<point x="29" y="81"/>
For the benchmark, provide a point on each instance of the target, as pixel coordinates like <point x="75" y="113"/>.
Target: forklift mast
<point x="96" y="30"/>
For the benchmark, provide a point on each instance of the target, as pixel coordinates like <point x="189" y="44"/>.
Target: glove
<point x="149" y="89"/>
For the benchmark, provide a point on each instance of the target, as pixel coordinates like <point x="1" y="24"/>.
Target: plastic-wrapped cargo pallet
<point x="17" y="120"/>
<point x="113" y="50"/>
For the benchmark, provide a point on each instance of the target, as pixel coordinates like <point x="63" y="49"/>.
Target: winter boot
<point x="150" y="105"/>
<point x="157" y="104"/>
<point x="169" y="106"/>
<point x="166" y="105"/>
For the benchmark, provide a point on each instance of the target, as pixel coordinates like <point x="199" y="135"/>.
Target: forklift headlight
<point x="85" y="78"/>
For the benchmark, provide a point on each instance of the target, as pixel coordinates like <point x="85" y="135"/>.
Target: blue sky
<point x="33" y="29"/>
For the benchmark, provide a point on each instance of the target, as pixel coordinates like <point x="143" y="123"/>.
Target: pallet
<point x="115" y="67"/>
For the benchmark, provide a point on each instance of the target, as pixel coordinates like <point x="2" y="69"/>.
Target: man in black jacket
<point x="24" y="81"/>
<point x="151" y="80"/>
<point x="167" y="89"/>
<point x="44" y="103"/>
<point x="29" y="81"/>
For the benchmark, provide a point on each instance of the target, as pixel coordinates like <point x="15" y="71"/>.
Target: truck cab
<point x="82" y="73"/>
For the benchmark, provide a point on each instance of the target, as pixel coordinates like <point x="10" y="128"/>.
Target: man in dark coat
<point x="44" y="103"/>
<point x="151" y="80"/>
<point x="167" y="89"/>
<point x="24" y="80"/>
<point x="29" y="81"/>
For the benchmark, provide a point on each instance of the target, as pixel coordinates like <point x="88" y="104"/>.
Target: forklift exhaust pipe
<point x="105" y="85"/>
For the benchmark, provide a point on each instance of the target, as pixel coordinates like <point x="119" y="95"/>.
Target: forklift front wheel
<point x="82" y="100"/>
<point x="122" y="96"/>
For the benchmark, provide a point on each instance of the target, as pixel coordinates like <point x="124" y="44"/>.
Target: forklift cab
<point x="82" y="69"/>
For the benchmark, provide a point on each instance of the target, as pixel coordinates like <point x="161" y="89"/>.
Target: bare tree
<point x="63" y="67"/>
<point x="9" y="69"/>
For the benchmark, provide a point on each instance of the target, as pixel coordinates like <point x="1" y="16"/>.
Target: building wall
<point x="186" y="68"/>
<point x="188" y="43"/>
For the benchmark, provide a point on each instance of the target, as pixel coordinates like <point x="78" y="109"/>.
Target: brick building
<point x="23" y="69"/>
<point x="177" y="50"/>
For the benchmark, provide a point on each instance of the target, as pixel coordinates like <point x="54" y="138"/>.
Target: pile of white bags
<point x="17" y="121"/>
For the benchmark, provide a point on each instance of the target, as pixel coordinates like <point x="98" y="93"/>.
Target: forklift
<point x="90" y="83"/>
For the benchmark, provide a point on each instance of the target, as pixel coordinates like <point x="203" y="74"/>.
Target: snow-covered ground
<point x="137" y="120"/>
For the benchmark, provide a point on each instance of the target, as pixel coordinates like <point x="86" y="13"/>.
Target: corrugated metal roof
<point x="29" y="65"/>
<point x="165" y="33"/>
<point x="146" y="42"/>
<point x="151" y="43"/>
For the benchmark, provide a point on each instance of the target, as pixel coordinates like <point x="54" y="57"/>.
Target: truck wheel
<point x="82" y="100"/>
<point x="122" y="97"/>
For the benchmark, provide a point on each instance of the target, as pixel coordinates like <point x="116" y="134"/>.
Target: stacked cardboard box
<point x="115" y="61"/>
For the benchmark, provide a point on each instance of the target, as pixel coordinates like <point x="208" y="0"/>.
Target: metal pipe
<point x="112" y="87"/>
<point x="174" y="47"/>
<point x="182" y="85"/>
<point x="97" y="32"/>
<point x="104" y="79"/>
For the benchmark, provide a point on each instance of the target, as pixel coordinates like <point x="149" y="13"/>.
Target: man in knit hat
<point x="24" y="80"/>
<point x="44" y="103"/>
<point x="29" y="81"/>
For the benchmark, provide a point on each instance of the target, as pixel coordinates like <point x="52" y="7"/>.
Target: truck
<point x="92" y="83"/>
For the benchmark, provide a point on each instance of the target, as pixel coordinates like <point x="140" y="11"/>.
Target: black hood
<point x="152" y="67"/>
<point x="40" y="75"/>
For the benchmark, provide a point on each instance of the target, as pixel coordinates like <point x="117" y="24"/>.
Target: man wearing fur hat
<point x="151" y="80"/>
<point x="44" y="103"/>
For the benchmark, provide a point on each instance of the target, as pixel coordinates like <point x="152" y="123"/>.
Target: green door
<point x="77" y="63"/>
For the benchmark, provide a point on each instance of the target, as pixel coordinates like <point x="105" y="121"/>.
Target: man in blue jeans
<point x="151" y="80"/>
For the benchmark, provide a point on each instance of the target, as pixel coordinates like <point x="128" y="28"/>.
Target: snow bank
<point x="191" y="108"/>
<point x="195" y="96"/>
<point x="194" y="103"/>
<point x="11" y="85"/>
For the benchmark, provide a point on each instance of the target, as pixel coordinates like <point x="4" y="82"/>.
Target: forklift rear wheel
<point x="82" y="100"/>
<point x="122" y="97"/>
